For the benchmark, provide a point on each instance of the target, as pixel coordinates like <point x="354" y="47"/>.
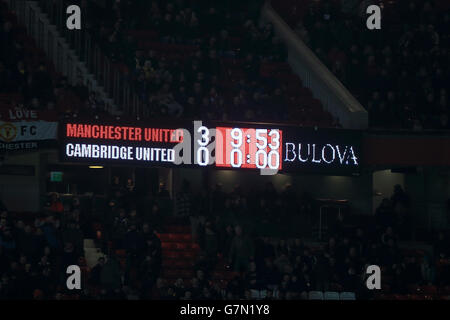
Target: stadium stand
<point x="148" y="254"/>
<point x="398" y="73"/>
<point x="192" y="59"/>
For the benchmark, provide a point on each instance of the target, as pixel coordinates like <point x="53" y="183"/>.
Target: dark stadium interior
<point x="310" y="69"/>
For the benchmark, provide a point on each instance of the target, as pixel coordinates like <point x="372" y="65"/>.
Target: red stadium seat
<point x="121" y="253"/>
<point x="429" y="290"/>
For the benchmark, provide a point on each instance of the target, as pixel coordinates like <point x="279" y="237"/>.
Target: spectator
<point x="110" y="275"/>
<point x="55" y="205"/>
<point x="95" y="275"/>
<point x="241" y="251"/>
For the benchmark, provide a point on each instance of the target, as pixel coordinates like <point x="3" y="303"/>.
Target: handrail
<point x="106" y="73"/>
<point x="335" y="97"/>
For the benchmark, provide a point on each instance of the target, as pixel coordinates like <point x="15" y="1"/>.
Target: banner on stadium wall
<point x="20" y="135"/>
<point x="19" y="114"/>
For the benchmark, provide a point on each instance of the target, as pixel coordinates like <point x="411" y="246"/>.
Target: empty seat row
<point x="179" y="245"/>
<point x="331" y="295"/>
<point x="312" y="295"/>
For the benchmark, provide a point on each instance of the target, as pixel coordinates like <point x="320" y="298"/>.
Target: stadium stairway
<point x="179" y="253"/>
<point x="77" y="68"/>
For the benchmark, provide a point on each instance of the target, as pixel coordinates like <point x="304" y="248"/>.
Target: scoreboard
<point x="271" y="148"/>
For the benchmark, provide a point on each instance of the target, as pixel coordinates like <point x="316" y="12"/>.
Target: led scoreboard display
<point x="249" y="148"/>
<point x="235" y="146"/>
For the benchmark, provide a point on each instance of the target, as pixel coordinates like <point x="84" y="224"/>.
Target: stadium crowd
<point x="398" y="73"/>
<point x="202" y="59"/>
<point x="196" y="59"/>
<point x="229" y="68"/>
<point x="35" y="254"/>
